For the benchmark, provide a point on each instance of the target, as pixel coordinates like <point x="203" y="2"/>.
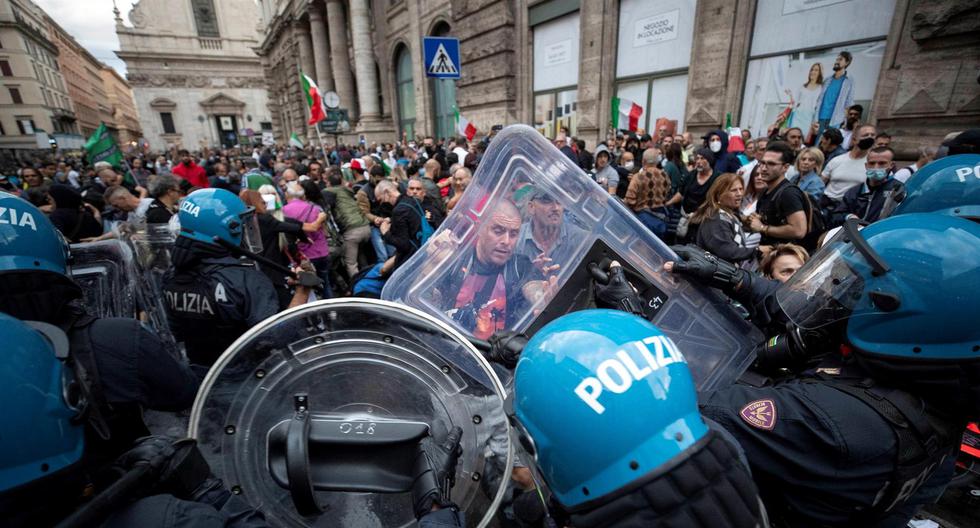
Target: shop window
<point x="556" y="110"/>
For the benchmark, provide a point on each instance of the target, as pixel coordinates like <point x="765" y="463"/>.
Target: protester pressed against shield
<point x="515" y="251"/>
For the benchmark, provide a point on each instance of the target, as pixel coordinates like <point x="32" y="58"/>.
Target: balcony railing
<point x="209" y="43"/>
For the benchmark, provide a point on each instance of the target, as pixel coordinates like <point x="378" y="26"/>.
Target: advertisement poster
<point x="796" y="81"/>
<point x="658" y="28"/>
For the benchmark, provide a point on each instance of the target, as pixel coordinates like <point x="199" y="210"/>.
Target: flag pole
<point x="320" y="139"/>
<point x="316" y="127"/>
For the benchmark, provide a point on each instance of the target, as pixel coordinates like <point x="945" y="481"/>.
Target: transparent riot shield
<point x="152" y="245"/>
<point x="315" y="415"/>
<point x="107" y="274"/>
<point x="523" y="243"/>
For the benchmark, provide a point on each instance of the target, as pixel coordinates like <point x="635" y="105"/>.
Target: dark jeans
<point x="322" y="266"/>
<point x="653" y="222"/>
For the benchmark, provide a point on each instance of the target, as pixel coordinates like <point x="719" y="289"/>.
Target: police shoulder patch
<point x="760" y="414"/>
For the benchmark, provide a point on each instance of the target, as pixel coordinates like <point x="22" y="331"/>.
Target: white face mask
<point x="628" y="165"/>
<point x="715" y="146"/>
<point x="659" y="159"/>
<point x="270" y="202"/>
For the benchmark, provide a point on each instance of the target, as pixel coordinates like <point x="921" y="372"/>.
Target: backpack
<point x="816" y="224"/>
<point x="425" y="228"/>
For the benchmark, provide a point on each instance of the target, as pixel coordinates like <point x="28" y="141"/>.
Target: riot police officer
<point x="950" y="185"/>
<point x="123" y="365"/>
<point x="213" y="296"/>
<point x="888" y="316"/>
<point x="44" y="463"/>
<point x="606" y="404"/>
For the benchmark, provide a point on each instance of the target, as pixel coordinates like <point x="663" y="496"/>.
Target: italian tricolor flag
<point x="465" y="128"/>
<point x="313" y="100"/>
<point x="625" y="114"/>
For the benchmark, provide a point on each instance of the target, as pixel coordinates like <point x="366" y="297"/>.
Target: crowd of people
<point x="265" y="229"/>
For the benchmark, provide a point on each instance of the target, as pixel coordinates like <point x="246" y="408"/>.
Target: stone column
<point x="367" y="78"/>
<point x="340" y="59"/>
<point x="305" y="49"/>
<point x="321" y="50"/>
<point x="598" y="21"/>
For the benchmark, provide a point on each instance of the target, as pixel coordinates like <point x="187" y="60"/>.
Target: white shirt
<point x="140" y="212"/>
<point x="460" y="154"/>
<point x="905" y="173"/>
<point x="842" y="173"/>
<point x="745" y="170"/>
<point x="846" y="134"/>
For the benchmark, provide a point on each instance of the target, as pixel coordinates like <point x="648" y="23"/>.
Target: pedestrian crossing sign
<point x="441" y="57"/>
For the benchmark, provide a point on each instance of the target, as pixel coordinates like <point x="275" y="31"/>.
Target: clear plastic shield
<point x="107" y="274"/>
<point x="152" y="245"/>
<point x="515" y="253"/>
<point x="350" y="386"/>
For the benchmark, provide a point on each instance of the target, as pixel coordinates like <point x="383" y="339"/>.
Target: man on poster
<point x="837" y="94"/>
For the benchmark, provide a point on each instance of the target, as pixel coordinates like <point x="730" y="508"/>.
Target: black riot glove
<point x="703" y="267"/>
<point x="179" y="467"/>
<point x="616" y="292"/>
<point x="435" y="472"/>
<point x="506" y="347"/>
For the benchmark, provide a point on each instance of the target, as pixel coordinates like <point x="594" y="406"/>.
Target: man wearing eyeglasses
<point x="782" y="208"/>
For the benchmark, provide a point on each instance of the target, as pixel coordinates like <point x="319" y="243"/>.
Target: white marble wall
<point x="193" y="132"/>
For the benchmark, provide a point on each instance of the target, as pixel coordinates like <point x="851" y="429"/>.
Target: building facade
<point x="125" y="118"/>
<point x="83" y="75"/>
<point x="35" y="106"/>
<point x="196" y="79"/>
<point x="690" y="64"/>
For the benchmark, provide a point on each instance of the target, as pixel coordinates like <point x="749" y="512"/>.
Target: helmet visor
<point x="251" y="236"/>
<point x="830" y="286"/>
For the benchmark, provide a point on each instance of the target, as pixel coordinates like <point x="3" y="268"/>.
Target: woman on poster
<point x="805" y="103"/>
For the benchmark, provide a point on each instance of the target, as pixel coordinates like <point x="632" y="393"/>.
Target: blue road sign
<point x="441" y="57"/>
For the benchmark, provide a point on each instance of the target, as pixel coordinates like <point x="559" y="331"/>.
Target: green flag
<point x="101" y="147"/>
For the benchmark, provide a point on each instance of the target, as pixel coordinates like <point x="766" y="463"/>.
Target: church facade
<point x="195" y="77"/>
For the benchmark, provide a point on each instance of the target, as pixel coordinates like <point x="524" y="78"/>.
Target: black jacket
<point x="724" y="161"/>
<point x="723" y="236"/>
<point x="706" y="485"/>
<point x="406" y="222"/>
<point x="865" y="201"/>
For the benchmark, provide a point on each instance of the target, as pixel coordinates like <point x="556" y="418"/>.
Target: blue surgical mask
<point x="876" y="174"/>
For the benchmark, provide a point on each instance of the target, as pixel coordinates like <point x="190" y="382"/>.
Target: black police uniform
<point x="707" y="485"/>
<point x="167" y="511"/>
<point x="213" y="298"/>
<point x="832" y="447"/>
<point x="130" y="370"/>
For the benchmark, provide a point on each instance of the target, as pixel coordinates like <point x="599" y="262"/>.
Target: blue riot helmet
<point x="28" y="240"/>
<point x="217" y="216"/>
<point x="34" y="256"/>
<point x="602" y="398"/>
<point x="950" y="185"/>
<point x="908" y="287"/>
<point x="41" y="437"/>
